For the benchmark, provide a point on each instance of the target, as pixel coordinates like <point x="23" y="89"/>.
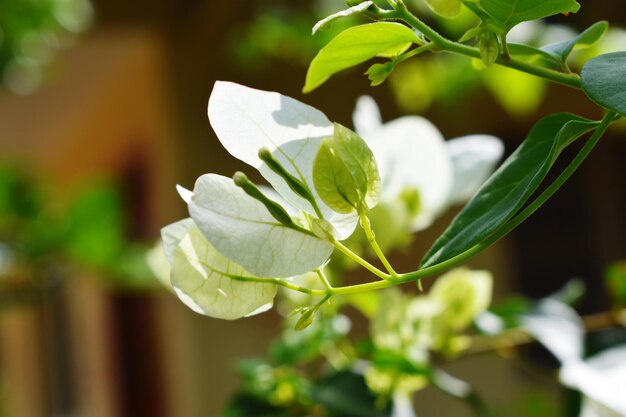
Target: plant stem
<point x="502" y="231"/>
<point x="371" y="238"/>
<point x="356" y="258"/>
<point x="282" y="283"/>
<point x="446" y="45"/>
<point x="324" y="279"/>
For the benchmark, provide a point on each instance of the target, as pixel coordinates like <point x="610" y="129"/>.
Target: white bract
<point x="412" y="155"/>
<point x="602" y="380"/>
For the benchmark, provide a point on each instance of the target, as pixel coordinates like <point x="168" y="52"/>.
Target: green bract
<point x="356" y="45"/>
<point x="345" y="173"/>
<point x="604" y="80"/>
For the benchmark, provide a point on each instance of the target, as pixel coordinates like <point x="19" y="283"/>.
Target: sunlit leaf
<point x="356" y="45"/>
<point x="324" y="23"/>
<point x="345" y="172"/>
<point x="509" y="187"/>
<point x="445" y="8"/>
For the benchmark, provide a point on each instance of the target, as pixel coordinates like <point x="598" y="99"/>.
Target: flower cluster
<point x="225" y="259"/>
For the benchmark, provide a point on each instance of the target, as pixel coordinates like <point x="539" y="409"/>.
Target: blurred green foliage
<point x="31" y="34"/>
<point x="39" y="235"/>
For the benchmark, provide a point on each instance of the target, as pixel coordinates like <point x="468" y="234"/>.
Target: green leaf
<point x="378" y="73"/>
<point x="345" y="174"/>
<point x="509" y="187"/>
<point x="445" y="8"/>
<point x="356" y="45"/>
<point x="520" y="49"/>
<point x="604" y="80"/>
<point x="586" y="38"/>
<point x="324" y="23"/>
<point x="511" y="12"/>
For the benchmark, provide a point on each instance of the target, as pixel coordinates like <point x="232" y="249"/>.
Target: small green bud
<point x="489" y="47"/>
<point x="276" y="210"/>
<point x="295" y="184"/>
<point x="307" y="315"/>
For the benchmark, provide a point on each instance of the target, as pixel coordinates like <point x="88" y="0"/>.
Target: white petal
<point x="246" y="119"/>
<point x="243" y="230"/>
<point x="366" y="116"/>
<point x="474" y="158"/>
<point x="199" y="277"/>
<point x="172" y="235"/>
<point x="601" y="379"/>
<point x="558" y="327"/>
<point x="411" y="153"/>
<point x="184" y="193"/>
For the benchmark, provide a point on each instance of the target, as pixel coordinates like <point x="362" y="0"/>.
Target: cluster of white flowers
<point x="220" y="262"/>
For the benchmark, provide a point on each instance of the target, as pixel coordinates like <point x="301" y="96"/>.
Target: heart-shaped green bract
<point x="506" y="191"/>
<point x="604" y="80"/>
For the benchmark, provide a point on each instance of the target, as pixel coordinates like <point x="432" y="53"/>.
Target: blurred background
<point x="103" y="112"/>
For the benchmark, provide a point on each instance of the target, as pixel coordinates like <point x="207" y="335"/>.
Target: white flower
<point x="602" y="380"/>
<point x="412" y="155"/>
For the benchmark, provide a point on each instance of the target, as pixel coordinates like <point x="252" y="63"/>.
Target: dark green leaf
<point x="509" y="187"/>
<point x="356" y="45"/>
<point x="346" y="394"/>
<point x="587" y="38"/>
<point x="604" y="80"/>
<point x="511" y="12"/>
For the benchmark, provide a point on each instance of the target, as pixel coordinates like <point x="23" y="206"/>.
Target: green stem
<point x="446" y="45"/>
<point x="356" y="258"/>
<point x="414" y="52"/>
<point x="505" y="48"/>
<point x="371" y="238"/>
<point x="502" y="231"/>
<point x="324" y="279"/>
